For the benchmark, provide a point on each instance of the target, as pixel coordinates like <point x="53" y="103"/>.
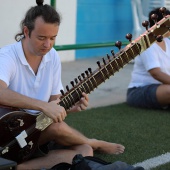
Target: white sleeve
<point x="7" y="67"/>
<point x="150" y="58"/>
<point x="57" y="83"/>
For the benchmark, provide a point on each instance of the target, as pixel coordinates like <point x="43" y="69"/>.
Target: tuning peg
<point x="90" y="70"/>
<point x="145" y="24"/>
<point x="154" y="17"/>
<point x="76" y="81"/>
<point x="104" y="61"/>
<point x="129" y="37"/>
<point x="113" y="54"/>
<point x="72" y="83"/>
<point x="98" y="63"/>
<point x="159" y="38"/>
<point x="163" y="11"/>
<point x="83" y="75"/>
<point x="87" y="73"/>
<point x="108" y="57"/>
<point x="67" y="87"/>
<point x="79" y="77"/>
<point x="118" y="44"/>
<point x="62" y="92"/>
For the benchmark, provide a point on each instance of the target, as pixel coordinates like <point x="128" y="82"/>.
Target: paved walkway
<point x="113" y="91"/>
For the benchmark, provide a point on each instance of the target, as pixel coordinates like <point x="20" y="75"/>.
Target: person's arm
<point x="14" y="99"/>
<point x="157" y="74"/>
<point x="79" y="106"/>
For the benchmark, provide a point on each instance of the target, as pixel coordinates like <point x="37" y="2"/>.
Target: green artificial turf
<point x="163" y="167"/>
<point x="145" y="133"/>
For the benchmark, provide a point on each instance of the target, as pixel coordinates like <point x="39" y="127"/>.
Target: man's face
<point x="42" y="37"/>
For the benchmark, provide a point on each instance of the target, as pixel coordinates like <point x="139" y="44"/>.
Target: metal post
<point x="53" y="3"/>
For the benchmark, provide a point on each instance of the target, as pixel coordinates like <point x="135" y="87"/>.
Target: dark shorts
<point x="40" y="151"/>
<point x="44" y="149"/>
<point x="144" y="97"/>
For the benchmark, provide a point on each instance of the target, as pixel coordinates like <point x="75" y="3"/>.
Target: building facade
<point x="83" y="22"/>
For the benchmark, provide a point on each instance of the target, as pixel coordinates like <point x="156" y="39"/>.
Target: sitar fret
<point x="93" y="81"/>
<point x="69" y="101"/>
<point x="87" y="86"/>
<point x="119" y="62"/>
<point x="110" y="67"/>
<point x="107" y="71"/>
<point x="91" y="84"/>
<point x="115" y="64"/>
<point x="125" y="57"/>
<point x="137" y="49"/>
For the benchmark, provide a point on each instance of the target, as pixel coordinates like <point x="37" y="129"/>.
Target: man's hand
<point x="81" y="105"/>
<point x="55" y="111"/>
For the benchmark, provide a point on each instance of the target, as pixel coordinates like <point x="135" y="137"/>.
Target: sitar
<point x="20" y="131"/>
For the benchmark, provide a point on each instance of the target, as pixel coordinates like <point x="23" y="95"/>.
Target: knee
<point x="58" y="128"/>
<point x="84" y="149"/>
<point x="22" y="166"/>
<point x="88" y="151"/>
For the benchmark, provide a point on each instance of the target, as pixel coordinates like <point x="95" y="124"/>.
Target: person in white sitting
<point x="150" y="81"/>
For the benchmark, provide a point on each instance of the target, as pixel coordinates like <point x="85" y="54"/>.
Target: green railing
<point x="85" y="46"/>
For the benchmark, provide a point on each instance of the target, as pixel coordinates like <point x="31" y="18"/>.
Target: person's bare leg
<point x="56" y="156"/>
<point x="67" y="136"/>
<point x="106" y="147"/>
<point x="163" y="94"/>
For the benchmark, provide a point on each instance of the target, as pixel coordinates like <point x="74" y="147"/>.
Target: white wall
<point x="13" y="11"/>
<point x="11" y="14"/>
<point x="67" y="31"/>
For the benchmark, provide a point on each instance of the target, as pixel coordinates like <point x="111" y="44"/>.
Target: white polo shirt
<point x="19" y="76"/>
<point x="153" y="57"/>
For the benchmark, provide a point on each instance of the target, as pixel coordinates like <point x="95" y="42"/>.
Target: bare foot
<point x="107" y="147"/>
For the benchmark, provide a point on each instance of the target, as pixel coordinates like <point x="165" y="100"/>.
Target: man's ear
<point x="26" y="31"/>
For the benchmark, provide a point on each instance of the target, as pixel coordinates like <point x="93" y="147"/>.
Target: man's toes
<point x="121" y="149"/>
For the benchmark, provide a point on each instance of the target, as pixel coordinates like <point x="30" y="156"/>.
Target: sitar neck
<point x="92" y="80"/>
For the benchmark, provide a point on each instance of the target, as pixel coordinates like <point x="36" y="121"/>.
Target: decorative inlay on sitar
<point x="19" y="130"/>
